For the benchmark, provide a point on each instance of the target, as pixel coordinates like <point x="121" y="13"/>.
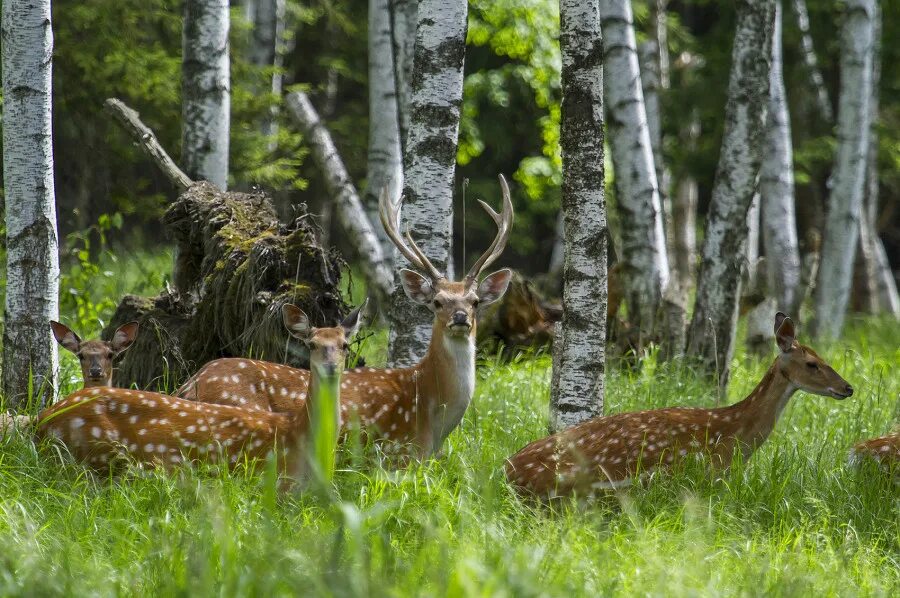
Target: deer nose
<point x="460" y="318"/>
<point x="95" y="372"/>
<point x="849" y="390"/>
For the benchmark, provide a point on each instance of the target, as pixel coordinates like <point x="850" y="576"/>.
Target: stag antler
<point x="389" y="211"/>
<point x="504" y="225"/>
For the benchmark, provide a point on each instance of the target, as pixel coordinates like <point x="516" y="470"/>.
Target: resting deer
<point x="99" y="425"/>
<point x="610" y="452"/>
<point x="418" y="405"/>
<point x="96" y="356"/>
<point x="884" y="450"/>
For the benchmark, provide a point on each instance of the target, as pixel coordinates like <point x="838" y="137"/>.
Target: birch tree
<point x="643" y="250"/>
<point x="812" y="64"/>
<point x="684" y="212"/>
<point x="845" y="200"/>
<point x="712" y="329"/>
<point x="578" y="352"/>
<point x="32" y="247"/>
<point x="385" y="160"/>
<point x="206" y="91"/>
<point x="776" y="188"/>
<point x="267" y="33"/>
<point x="429" y="161"/>
<point x="404" y="22"/>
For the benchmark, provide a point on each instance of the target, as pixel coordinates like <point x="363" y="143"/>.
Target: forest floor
<point x="793" y="521"/>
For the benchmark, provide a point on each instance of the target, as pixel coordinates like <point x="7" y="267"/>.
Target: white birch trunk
<point x="888" y="297"/>
<point x="643" y="250"/>
<point x="776" y="187"/>
<point x="404" y="22"/>
<point x="558" y="254"/>
<point x="206" y="91"/>
<point x="385" y="160"/>
<point x="360" y="233"/>
<point x="579" y="359"/>
<point x="845" y="201"/>
<point x="267" y="34"/>
<point x="32" y="247"/>
<point x="429" y="161"/>
<point x="812" y="64"/>
<point x="752" y="253"/>
<point x="684" y="213"/>
<point x="712" y="330"/>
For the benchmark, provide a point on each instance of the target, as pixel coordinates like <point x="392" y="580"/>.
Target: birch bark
<point x="32" y="246"/>
<point x="429" y="161"/>
<point x="643" y="252"/>
<point x="206" y="91"/>
<point x="579" y="353"/>
<point x="845" y="201"/>
<point x="776" y="188"/>
<point x="712" y="330"/>
<point x="267" y="35"/>
<point x="812" y="64"/>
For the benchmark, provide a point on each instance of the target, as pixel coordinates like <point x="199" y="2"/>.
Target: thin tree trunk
<point x="267" y="18"/>
<point x="404" y="22"/>
<point x="888" y="297"/>
<point x="812" y="64"/>
<point x="558" y="254"/>
<point x="579" y="351"/>
<point x="712" y="330"/>
<point x="385" y="160"/>
<point x="32" y="246"/>
<point x="360" y="232"/>
<point x="776" y="187"/>
<point x="684" y="213"/>
<point x="752" y="246"/>
<point x="643" y="249"/>
<point x="206" y="91"/>
<point x="845" y="201"/>
<point x="429" y="161"/>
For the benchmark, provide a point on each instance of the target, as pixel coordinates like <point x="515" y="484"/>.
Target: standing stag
<point x="611" y="452"/>
<point x="101" y="425"/>
<point x="418" y="405"/>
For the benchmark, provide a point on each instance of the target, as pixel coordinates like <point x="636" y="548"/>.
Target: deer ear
<point x="784" y="332"/>
<point x="493" y="286"/>
<point x="296" y="321"/>
<point x="124" y="336"/>
<point x="65" y="337"/>
<point x="354" y="321"/>
<point x="417" y="287"/>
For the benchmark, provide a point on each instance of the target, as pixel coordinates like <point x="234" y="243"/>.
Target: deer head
<point x="327" y="346"/>
<point x="803" y="367"/>
<point x="453" y="304"/>
<point x="96" y="356"/>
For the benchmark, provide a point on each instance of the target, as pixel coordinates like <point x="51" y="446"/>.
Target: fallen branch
<point x="351" y="215"/>
<point x="131" y="122"/>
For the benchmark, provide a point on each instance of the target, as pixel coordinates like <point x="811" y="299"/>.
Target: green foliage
<point x="793" y="521"/>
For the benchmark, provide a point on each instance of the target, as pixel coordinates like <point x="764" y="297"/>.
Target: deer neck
<point x="755" y="417"/>
<point x="445" y="379"/>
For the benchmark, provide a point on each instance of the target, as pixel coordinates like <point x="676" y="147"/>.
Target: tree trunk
<point x="845" y="201"/>
<point x="579" y="350"/>
<point x="643" y="250"/>
<point x="812" y="65"/>
<point x="429" y="161"/>
<point x="385" y="160"/>
<point x="711" y="334"/>
<point x="752" y="246"/>
<point x="404" y="22"/>
<point x="32" y="246"/>
<point x="267" y="19"/>
<point x="206" y="91"/>
<point x="776" y="187"/>
<point x="360" y="232"/>
<point x="684" y="213"/>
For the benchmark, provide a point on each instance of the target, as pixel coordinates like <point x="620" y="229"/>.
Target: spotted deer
<point x="418" y="405"/>
<point x="95" y="356"/>
<point x="884" y="450"/>
<point x="101" y="425"/>
<point x="613" y="451"/>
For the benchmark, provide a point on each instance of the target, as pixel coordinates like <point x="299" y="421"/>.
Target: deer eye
<point x="437" y="304"/>
<point x="110" y="354"/>
<point x="476" y="302"/>
<point x="345" y="346"/>
<point x="812" y="365"/>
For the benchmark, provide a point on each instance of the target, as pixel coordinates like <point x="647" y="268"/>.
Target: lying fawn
<point x="884" y="450"/>
<point x="610" y="452"/>
<point x="418" y="405"/>
<point x="96" y="356"/>
<point x="100" y="425"/>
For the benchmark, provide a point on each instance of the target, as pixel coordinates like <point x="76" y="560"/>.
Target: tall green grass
<point x="793" y="521"/>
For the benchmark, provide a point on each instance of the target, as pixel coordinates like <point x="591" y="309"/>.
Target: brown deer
<point x="96" y="356"/>
<point x="612" y="451"/>
<point x="418" y="405"/>
<point x="884" y="450"/>
<point x="100" y="425"/>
